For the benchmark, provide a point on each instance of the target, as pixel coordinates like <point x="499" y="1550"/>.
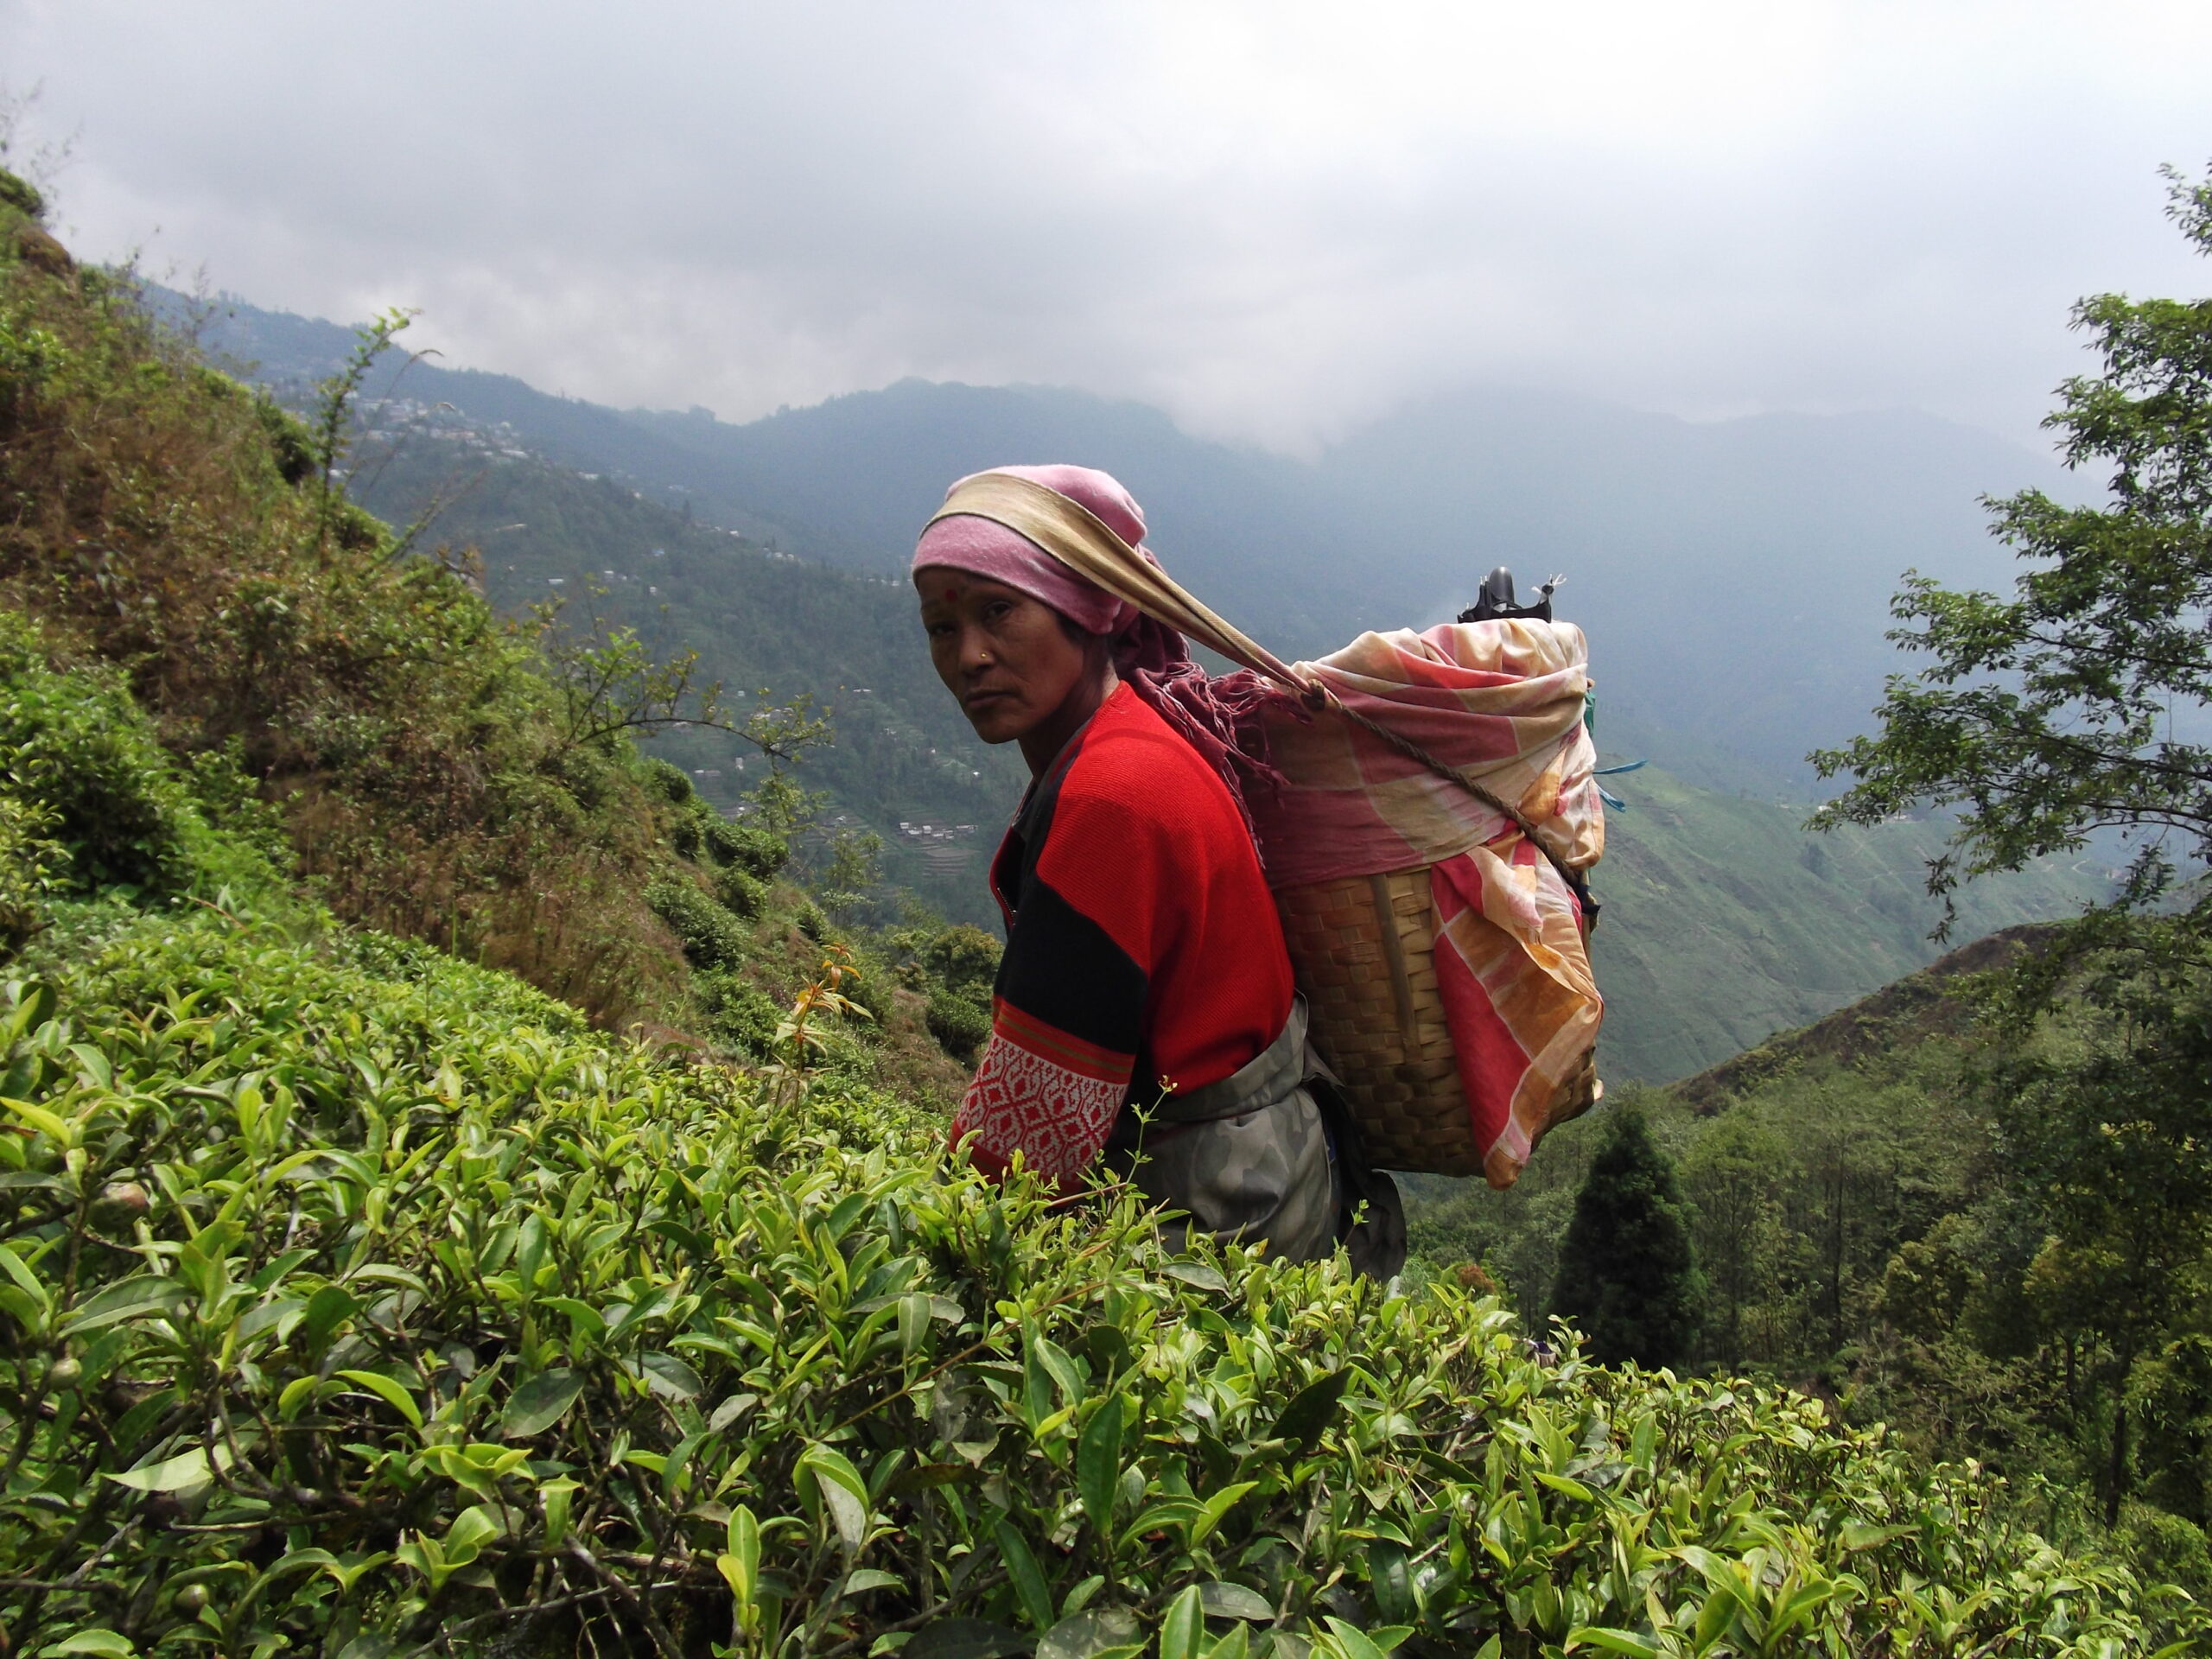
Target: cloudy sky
<point x="1273" y="220"/>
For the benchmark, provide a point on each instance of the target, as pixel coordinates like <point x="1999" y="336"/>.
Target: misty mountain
<point x="1733" y="575"/>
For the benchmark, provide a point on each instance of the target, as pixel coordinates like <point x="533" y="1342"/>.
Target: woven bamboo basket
<point x="1363" y="948"/>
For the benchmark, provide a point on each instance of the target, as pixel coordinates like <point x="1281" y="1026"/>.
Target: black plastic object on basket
<point x="1495" y="600"/>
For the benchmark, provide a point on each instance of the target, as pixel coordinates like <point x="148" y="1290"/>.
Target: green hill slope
<point x="1725" y="921"/>
<point x="428" y="773"/>
<point x="1738" y="573"/>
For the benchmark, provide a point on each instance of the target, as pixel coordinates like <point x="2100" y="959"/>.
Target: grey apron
<point x="1266" y="1156"/>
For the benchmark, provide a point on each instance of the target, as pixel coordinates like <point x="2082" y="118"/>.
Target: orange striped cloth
<point x="1504" y="702"/>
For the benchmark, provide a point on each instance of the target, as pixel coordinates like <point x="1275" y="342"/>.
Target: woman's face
<point x="1006" y="657"/>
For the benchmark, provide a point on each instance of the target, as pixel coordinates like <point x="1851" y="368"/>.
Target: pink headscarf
<point x="986" y="548"/>
<point x="1150" y="656"/>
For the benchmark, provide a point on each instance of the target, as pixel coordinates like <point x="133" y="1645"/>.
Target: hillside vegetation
<point x="431" y="779"/>
<point x="361" y="1299"/>
<point x="760" y="622"/>
<point x="1725" y="921"/>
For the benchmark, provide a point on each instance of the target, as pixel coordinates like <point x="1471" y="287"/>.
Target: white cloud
<point x="1275" y="219"/>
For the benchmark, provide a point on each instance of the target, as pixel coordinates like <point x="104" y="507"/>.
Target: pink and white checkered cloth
<point x="1502" y="701"/>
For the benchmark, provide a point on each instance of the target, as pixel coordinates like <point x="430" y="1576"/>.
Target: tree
<point x="2078" y="705"/>
<point x="2074" y="705"/>
<point x="2104" y="1124"/>
<point x="1733" y="1171"/>
<point x="1627" y="1276"/>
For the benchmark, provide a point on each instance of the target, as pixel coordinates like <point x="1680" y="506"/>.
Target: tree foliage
<point x="2104" y="1136"/>
<point x="1627" y="1275"/>
<point x="2076" y="704"/>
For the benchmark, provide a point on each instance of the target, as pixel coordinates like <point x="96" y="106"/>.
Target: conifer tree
<point x="1627" y="1276"/>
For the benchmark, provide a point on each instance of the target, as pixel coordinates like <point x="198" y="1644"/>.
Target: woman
<point x="1144" y="1008"/>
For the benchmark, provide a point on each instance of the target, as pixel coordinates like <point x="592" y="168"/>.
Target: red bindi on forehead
<point x="952" y="594"/>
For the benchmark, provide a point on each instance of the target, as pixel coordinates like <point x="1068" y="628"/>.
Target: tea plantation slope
<point x="360" y="1301"/>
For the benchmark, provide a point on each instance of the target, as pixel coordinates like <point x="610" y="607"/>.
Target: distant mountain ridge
<point x="1920" y="1007"/>
<point x="1734" y="576"/>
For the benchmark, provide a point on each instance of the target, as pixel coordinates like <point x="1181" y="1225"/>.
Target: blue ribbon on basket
<point x="1606" y="795"/>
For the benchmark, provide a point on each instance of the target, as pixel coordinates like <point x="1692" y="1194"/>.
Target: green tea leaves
<point x="1197" y="1274"/>
<point x="1100" y="1633"/>
<point x="390" y="1392"/>
<point x="328" y="1309"/>
<point x="1029" y="1585"/>
<point x="842" y="1491"/>
<point x="667" y="1375"/>
<point x="181" y="1473"/>
<point x="739" y="1566"/>
<point x="1235" y="1601"/>
<point x="1182" y="1633"/>
<point x="914" y="1314"/>
<point x="1349" y="1641"/>
<point x="1216" y="1508"/>
<point x="540" y="1403"/>
<point x="106" y="1644"/>
<point x="129" y="1298"/>
<point x="1311" y="1410"/>
<point x="1098" y="1464"/>
<point x="1613" y="1641"/>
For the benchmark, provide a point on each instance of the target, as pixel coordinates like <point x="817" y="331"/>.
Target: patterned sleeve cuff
<point x="1056" y="1110"/>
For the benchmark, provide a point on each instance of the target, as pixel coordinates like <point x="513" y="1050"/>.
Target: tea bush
<point x="745" y="846"/>
<point x="961" y="1023"/>
<point x="740" y="892"/>
<point x="90" y="802"/>
<point x="359" y="1300"/>
<point x="954" y="968"/>
<point x="747" y="856"/>
<point x="711" y="936"/>
<point x="738" y="1013"/>
<point x="27" y="862"/>
<point x="78" y="752"/>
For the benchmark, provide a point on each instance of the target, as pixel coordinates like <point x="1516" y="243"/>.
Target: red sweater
<point x="1143" y="950"/>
